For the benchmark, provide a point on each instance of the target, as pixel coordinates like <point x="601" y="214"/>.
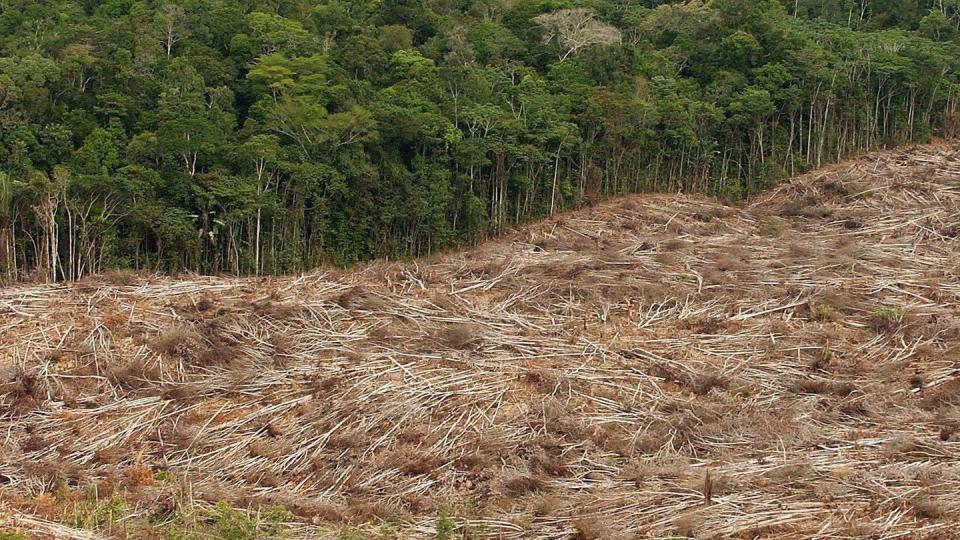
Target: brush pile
<point x="659" y="365"/>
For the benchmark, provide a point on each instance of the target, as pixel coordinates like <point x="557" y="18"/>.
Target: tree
<point x="193" y="118"/>
<point x="47" y="194"/>
<point x="273" y="33"/>
<point x="938" y="26"/>
<point x="92" y="204"/>
<point x="270" y="136"/>
<point x="172" y="23"/>
<point x="576" y="29"/>
<point x="264" y="152"/>
<point x="98" y="155"/>
<point x="10" y="189"/>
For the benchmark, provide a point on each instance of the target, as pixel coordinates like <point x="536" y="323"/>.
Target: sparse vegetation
<point x="886" y="320"/>
<point x="225" y="522"/>
<point x="522" y="484"/>
<point x="387" y="530"/>
<point x="349" y="534"/>
<point x="164" y="476"/>
<point x="445" y="524"/>
<point x="175" y="341"/>
<point x="772" y="227"/>
<point x="927" y="508"/>
<point x="95" y="513"/>
<point x="822" y="313"/>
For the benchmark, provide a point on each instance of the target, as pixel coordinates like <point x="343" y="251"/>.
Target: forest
<point x="253" y="137"/>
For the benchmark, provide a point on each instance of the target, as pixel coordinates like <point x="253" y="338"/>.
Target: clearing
<point x="652" y="366"/>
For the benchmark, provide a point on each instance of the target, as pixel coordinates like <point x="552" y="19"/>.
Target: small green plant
<point x="387" y="530"/>
<point x="10" y="535"/>
<point x="233" y="524"/>
<point x="226" y="522"/>
<point x="445" y="524"/>
<point x="887" y="319"/>
<point x="61" y="488"/>
<point x="164" y="477"/>
<point x="349" y="534"/>
<point x="822" y="313"/>
<point x="93" y="513"/>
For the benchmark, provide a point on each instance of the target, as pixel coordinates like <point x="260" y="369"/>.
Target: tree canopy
<point x="254" y="136"/>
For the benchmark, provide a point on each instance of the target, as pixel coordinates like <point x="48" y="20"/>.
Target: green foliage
<point x="822" y="313"/>
<point x="10" y="535"/>
<point x="225" y="522"/>
<point x="93" y="513"/>
<point x="887" y="319"/>
<point x="164" y="476"/>
<point x="9" y="188"/>
<point x="387" y="530"/>
<point x="349" y="534"/>
<point x="445" y="524"/>
<point x="233" y="524"/>
<point x="248" y="138"/>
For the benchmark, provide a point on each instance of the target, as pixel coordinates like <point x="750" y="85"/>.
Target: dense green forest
<point x="268" y="136"/>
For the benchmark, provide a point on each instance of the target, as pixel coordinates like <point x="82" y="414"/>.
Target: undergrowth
<point x="226" y="522"/>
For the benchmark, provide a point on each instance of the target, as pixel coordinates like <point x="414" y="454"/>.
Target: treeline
<point x="269" y="136"/>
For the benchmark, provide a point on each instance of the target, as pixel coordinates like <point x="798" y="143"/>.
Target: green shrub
<point x="225" y="522"/>
<point x="234" y="524"/>
<point x="349" y="534"/>
<point x="164" y="477"/>
<point x="822" y="313"/>
<point x="387" y="530"/>
<point x="98" y="514"/>
<point x="886" y="320"/>
<point x="445" y="524"/>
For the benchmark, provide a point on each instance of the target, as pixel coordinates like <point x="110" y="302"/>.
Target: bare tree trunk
<point x="5" y="241"/>
<point x="556" y="176"/>
<point x="256" y="248"/>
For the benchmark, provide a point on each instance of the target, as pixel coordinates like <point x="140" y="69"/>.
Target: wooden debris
<point x="634" y="365"/>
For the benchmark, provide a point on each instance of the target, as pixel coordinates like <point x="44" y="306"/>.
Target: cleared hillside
<point x="658" y="365"/>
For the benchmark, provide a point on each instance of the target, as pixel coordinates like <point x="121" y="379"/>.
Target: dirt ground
<point x="655" y="366"/>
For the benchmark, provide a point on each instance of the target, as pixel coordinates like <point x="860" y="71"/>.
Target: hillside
<point x="652" y="366"/>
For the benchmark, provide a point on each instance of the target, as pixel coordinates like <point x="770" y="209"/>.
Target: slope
<point x="657" y="365"/>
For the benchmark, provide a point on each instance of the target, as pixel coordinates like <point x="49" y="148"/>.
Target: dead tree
<point x="576" y="29"/>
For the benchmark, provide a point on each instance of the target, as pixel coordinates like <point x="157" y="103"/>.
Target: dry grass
<point x="652" y="367"/>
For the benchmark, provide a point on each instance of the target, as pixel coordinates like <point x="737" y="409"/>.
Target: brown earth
<point x="655" y="366"/>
